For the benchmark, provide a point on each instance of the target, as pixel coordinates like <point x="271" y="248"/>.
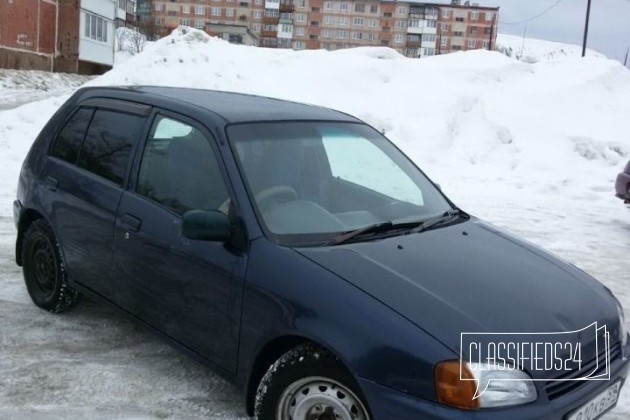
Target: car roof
<point x="239" y="107"/>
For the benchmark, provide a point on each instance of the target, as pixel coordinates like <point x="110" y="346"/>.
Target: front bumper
<point x="622" y="186"/>
<point x="388" y="404"/>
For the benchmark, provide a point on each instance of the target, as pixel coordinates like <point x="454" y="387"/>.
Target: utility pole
<point x="625" y="62"/>
<point x="588" y="18"/>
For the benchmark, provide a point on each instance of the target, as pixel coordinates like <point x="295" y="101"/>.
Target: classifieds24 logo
<point x="513" y="361"/>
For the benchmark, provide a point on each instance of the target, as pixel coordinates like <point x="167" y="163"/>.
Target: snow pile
<point x="534" y="50"/>
<point x="18" y="85"/>
<point x="560" y="125"/>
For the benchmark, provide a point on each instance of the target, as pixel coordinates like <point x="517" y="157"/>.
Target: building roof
<point x="472" y="5"/>
<point x="238" y="107"/>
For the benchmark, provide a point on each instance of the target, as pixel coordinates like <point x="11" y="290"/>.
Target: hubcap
<point x="318" y="398"/>
<point x="44" y="266"/>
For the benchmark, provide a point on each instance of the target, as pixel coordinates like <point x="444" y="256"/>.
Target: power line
<point x="544" y="12"/>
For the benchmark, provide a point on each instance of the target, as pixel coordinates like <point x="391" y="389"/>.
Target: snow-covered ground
<point x="21" y="86"/>
<point x="533" y="148"/>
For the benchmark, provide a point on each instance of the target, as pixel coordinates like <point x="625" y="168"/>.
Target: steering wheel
<point x="274" y="195"/>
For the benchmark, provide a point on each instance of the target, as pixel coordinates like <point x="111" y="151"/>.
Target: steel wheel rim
<point x="44" y="267"/>
<point x="319" y="398"/>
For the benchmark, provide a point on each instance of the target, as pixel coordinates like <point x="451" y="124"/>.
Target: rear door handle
<point x="51" y="183"/>
<point x="131" y="223"/>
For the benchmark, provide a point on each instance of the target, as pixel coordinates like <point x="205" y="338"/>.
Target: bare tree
<point x="136" y="41"/>
<point x="121" y="38"/>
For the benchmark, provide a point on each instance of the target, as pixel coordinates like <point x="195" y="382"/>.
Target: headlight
<point x="504" y="387"/>
<point x="622" y="324"/>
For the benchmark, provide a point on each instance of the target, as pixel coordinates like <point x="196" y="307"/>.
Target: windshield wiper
<point x="446" y="217"/>
<point x="371" y="229"/>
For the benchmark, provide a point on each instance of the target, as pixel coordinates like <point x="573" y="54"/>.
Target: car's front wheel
<point x="308" y="383"/>
<point x="44" y="272"/>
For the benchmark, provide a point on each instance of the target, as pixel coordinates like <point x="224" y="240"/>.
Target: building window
<point x="358" y="22"/>
<point x="200" y="10"/>
<point x="402" y="11"/>
<point x="341" y="34"/>
<point x="300" y="17"/>
<point x="343" y="7"/>
<point x="314" y="23"/>
<point x="257" y="14"/>
<point x="343" y="21"/>
<point x="446" y="13"/>
<point x="95" y="27"/>
<point x="486" y="45"/>
<point x="431" y="24"/>
<point x="301" y="4"/>
<point x="357" y="35"/>
<point x="299" y="31"/>
<point x="474" y="15"/>
<point x="428" y="38"/>
<point x="185" y="9"/>
<point x="473" y="29"/>
<point x="185" y="22"/>
<point x="399" y="38"/>
<point x="229" y="12"/>
<point x="489" y="16"/>
<point x="258" y="2"/>
<point x="299" y="45"/>
<point x="328" y="20"/>
<point x="158" y="7"/>
<point x="487" y="31"/>
<point x="401" y="24"/>
<point x="374" y="8"/>
<point x="414" y="23"/>
<point x="373" y="23"/>
<point x="371" y="36"/>
<point x="328" y="5"/>
<point x="472" y="43"/>
<point x="459" y="19"/>
<point x="458" y="33"/>
<point x="387" y="14"/>
<point x="327" y="33"/>
<point x="199" y="23"/>
<point x="359" y="7"/>
<point x="315" y="9"/>
<point x="444" y="27"/>
<point x="429" y="51"/>
<point x="444" y="41"/>
<point x="216" y="11"/>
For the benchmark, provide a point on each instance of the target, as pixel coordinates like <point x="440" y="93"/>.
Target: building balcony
<point x="414" y="44"/>
<point x="286" y="18"/>
<point x="270" y="20"/>
<point x="287" y="6"/>
<point x="268" y="34"/>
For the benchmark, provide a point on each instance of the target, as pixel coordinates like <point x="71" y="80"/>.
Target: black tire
<point x="307" y="365"/>
<point x="44" y="270"/>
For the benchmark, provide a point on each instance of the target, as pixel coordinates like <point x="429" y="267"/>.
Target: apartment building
<point x="415" y="29"/>
<point x="58" y="35"/>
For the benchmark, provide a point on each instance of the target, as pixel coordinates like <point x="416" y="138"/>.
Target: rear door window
<point x="180" y="169"/>
<point x="68" y="142"/>
<point x="108" y="143"/>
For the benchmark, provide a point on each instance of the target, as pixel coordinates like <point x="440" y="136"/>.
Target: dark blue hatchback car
<point x="301" y="255"/>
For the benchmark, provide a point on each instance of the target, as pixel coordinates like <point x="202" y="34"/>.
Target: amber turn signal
<point x="453" y="391"/>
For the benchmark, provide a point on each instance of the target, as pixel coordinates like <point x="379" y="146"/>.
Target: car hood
<point x="471" y="277"/>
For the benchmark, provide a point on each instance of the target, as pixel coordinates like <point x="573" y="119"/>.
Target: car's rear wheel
<point x="308" y="383"/>
<point x="44" y="271"/>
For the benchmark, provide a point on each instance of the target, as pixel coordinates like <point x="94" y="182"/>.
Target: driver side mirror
<point x="206" y="225"/>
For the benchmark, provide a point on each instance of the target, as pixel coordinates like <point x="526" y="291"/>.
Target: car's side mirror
<point x="206" y="225"/>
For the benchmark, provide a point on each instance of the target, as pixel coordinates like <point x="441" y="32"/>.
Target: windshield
<point x="311" y="181"/>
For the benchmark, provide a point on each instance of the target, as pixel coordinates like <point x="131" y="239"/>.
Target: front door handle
<point x="51" y="183"/>
<point x="131" y="223"/>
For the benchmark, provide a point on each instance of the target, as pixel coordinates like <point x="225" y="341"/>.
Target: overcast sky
<point x="609" y="32"/>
